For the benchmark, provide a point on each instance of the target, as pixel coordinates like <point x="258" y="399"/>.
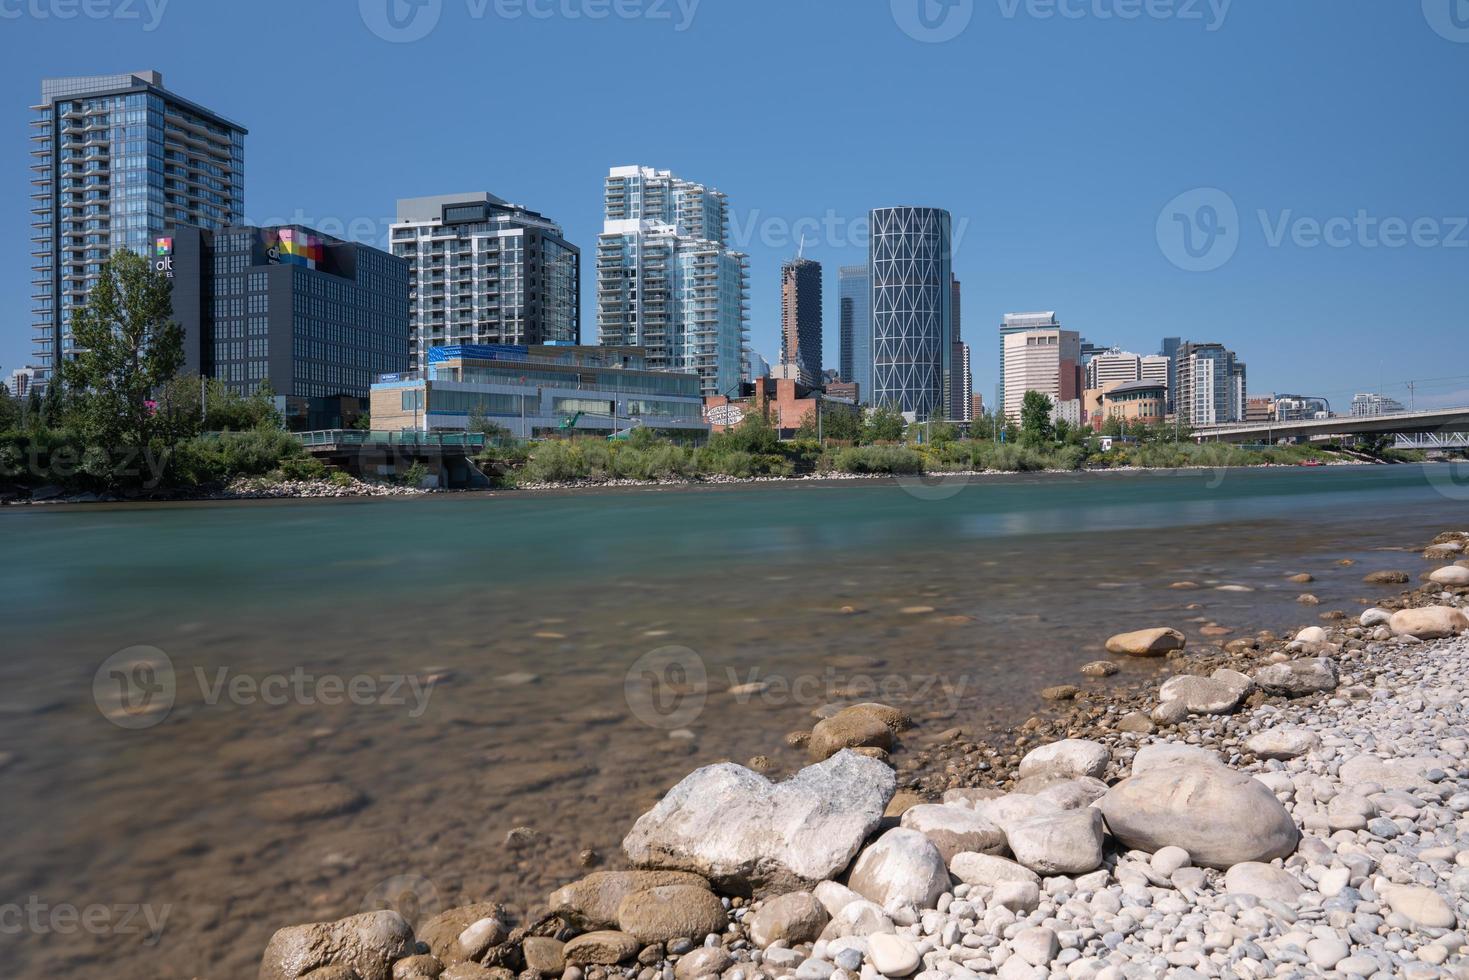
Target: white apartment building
<point x="667" y="279"/>
<point x="485" y="271"/>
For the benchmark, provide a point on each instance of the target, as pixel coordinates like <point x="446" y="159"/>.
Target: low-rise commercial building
<point x="314" y="317"/>
<point x="1143" y="402"/>
<point x="785" y="402"/>
<point x="540" y="391"/>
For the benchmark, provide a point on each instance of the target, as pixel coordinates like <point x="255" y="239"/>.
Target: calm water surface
<point x="441" y="700"/>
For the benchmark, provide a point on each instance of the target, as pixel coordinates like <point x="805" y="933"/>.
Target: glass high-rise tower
<point x="911" y="263"/>
<point x="117" y="160"/>
<point x="854" y="288"/>
<point x="667" y="279"/>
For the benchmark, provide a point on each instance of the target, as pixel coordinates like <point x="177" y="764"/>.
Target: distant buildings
<point x="316" y="318"/>
<point x="756" y="366"/>
<point x="800" y="318"/>
<point x="911" y="262"/>
<point x="1211" y="385"/>
<point x="854" y="286"/>
<point x="1047" y="360"/>
<point x="21" y="381"/>
<point x="1169" y="349"/>
<point x="539" y="390"/>
<point x="1014" y="323"/>
<point x="976" y="407"/>
<point x="667" y="280"/>
<point x="1300" y="408"/>
<point x="1370" y="405"/>
<point x="785" y="402"/>
<point x="1260" y="409"/>
<point x="116" y="160"/>
<point x="484" y="271"/>
<point x="961" y="375"/>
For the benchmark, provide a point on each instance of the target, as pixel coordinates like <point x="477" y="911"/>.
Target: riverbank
<point x="1277" y="805"/>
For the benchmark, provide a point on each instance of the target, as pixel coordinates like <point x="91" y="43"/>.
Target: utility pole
<point x="1412" y="396"/>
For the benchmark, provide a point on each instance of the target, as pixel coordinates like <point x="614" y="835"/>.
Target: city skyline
<point x="1049" y="235"/>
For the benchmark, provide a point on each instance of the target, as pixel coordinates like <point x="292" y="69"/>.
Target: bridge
<point x="1439" y="421"/>
<point x="447" y="456"/>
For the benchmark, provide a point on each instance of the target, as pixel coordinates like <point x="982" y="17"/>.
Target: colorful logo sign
<point x="163" y="262"/>
<point x="165" y="246"/>
<point x="291" y="246"/>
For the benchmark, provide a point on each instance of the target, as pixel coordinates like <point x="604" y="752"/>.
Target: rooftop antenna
<point x="801" y="252"/>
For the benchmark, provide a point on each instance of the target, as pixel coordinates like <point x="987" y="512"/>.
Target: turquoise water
<point x="533" y="616"/>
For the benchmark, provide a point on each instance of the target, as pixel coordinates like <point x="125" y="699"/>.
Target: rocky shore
<point x="1276" y="807"/>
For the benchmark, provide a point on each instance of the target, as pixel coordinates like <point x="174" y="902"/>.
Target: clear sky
<point x="1320" y="147"/>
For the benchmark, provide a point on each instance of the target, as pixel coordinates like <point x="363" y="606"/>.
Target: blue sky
<point x="1092" y="152"/>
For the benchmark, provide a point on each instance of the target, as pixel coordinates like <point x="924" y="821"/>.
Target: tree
<point x="884" y="424"/>
<point x="128" y="349"/>
<point x="1036" y="428"/>
<point x="940" y="429"/>
<point x="480" y="423"/>
<point x="1112" y="426"/>
<point x="1063" y="431"/>
<point x="10" y="410"/>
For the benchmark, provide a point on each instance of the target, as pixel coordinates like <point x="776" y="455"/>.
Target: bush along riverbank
<point x="752" y="452"/>
<point x="1277" y="807"/>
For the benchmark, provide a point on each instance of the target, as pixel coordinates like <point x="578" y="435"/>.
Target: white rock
<point x="1221" y="817"/>
<point x="1429" y="623"/>
<point x="1037" y="946"/>
<point x="902" y="867"/>
<point x="1070" y="758"/>
<point x="1312" y="634"/>
<point x="1327" y="953"/>
<point x="1262" y="881"/>
<point x="1020" y="897"/>
<point x="1423" y="907"/>
<point x="1167" y="860"/>
<point x="1159" y="754"/>
<point x="1451" y="575"/>
<point x="859" y="918"/>
<point x="745" y="833"/>
<point x="1283" y="743"/>
<point x="835" y="896"/>
<point x="1218" y="694"/>
<point x="1375" y="617"/>
<point x="1068" y="843"/>
<point x="1298" y="678"/>
<point x="954" y="829"/>
<point x="986" y="869"/>
<point x="892" y="956"/>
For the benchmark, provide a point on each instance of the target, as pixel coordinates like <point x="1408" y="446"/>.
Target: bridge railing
<point x="404" y="438"/>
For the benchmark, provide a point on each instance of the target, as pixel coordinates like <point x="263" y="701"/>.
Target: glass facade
<point x="117" y="159"/>
<point x="855" y="316"/>
<point x="667" y="279"/>
<point x="911" y="266"/>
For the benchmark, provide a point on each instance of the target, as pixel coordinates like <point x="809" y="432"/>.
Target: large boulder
<point x="1298" y="678"/>
<point x="1220" y="816"/>
<point x="1147" y="643"/>
<point x="795" y="918"/>
<point x="1262" y="881"/>
<point x="954" y="829"/>
<point x="1429" y="622"/>
<point x="1157" y="755"/>
<point x="1402" y="772"/>
<point x="592" y="902"/>
<point x="1067" y="843"/>
<point x="989" y="870"/>
<point x="1067" y="758"/>
<point x="1218" y="694"/>
<point x="900" y="868"/>
<point x="1450" y="575"/>
<point x="753" y="837"/>
<point x="367" y="944"/>
<point x="669" y="912"/>
<point x="856" y="727"/>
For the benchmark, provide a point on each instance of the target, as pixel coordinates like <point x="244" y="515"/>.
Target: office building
<point x="1169" y="349"/>
<point x="1090" y="350"/>
<point x="484" y="271"/>
<point x="1300" y="408"/>
<point x="536" y="391"/>
<point x="1048" y="361"/>
<point x="756" y="366"/>
<point x="1369" y="405"/>
<point x="1211" y="385"/>
<point x="911" y="263"/>
<point x="315" y="318"/>
<point x="1014" y="323"/>
<point x="1113" y="367"/>
<point x="117" y="159"/>
<point x="1132" y="402"/>
<point x="962" y="369"/>
<point x="976" y="407"/>
<point x="1156" y="368"/>
<point x="667" y="279"/>
<point x="1260" y="409"/>
<point x="854" y="286"/>
<point x="800" y="318"/>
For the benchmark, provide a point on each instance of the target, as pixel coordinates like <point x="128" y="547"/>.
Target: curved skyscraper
<point x="911" y="263"/>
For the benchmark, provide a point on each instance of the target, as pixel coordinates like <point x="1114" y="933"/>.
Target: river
<point x="218" y="719"/>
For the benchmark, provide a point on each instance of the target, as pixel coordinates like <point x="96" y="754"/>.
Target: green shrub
<point x="878" y="459"/>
